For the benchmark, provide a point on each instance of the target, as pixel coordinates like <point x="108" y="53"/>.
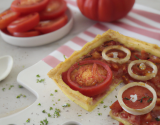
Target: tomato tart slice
<point x="91" y="74"/>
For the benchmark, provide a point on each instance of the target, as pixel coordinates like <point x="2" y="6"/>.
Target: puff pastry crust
<point x="87" y="102"/>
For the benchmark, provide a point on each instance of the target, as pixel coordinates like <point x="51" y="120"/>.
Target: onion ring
<point x="117" y="60"/>
<point x="143" y="78"/>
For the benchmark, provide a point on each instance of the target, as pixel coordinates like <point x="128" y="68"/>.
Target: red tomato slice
<point x="7" y="17"/>
<point x="28" y="6"/>
<point x="26" y="34"/>
<point x="89" y="90"/>
<point x="24" y="23"/>
<point x="116" y="107"/>
<point x="51" y="25"/>
<point x="54" y="9"/>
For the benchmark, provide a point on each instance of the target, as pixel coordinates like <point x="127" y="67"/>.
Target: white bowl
<point x="41" y="39"/>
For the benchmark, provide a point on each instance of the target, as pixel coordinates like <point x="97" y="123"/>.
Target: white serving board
<point x="42" y="91"/>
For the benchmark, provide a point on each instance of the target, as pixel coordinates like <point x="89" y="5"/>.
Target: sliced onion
<point x="117" y="60"/>
<point x="142" y="111"/>
<point x="143" y="78"/>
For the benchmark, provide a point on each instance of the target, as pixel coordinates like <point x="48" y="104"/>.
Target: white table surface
<point x="26" y="57"/>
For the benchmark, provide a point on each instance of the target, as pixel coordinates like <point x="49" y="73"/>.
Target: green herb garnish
<point x="42" y="80"/>
<point x="49" y="115"/>
<point x="101" y="102"/>
<point x="3" y="89"/>
<point x="56" y="90"/>
<point x="157" y="119"/>
<point x="20" y="86"/>
<point x="38" y="75"/>
<point x="44" y="122"/>
<point x="64" y="57"/>
<point x="105" y="106"/>
<point x="56" y="112"/>
<point x="126" y="98"/>
<point x="116" y="96"/>
<point x="51" y="94"/>
<point x="136" y="57"/>
<point x="99" y="113"/>
<point x="50" y="108"/>
<point x="79" y="115"/>
<point x="149" y="100"/>
<point x="44" y="111"/>
<point x="66" y="105"/>
<point x="11" y="86"/>
<point x="39" y="104"/>
<point x="28" y="120"/>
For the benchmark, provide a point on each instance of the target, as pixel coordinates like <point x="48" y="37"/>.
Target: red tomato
<point x="54" y="9"/>
<point x="7" y="17"/>
<point x="105" y="10"/>
<point x="26" y="34"/>
<point x="121" y="123"/>
<point x="89" y="90"/>
<point x="51" y="25"/>
<point x="28" y="6"/>
<point x="24" y="23"/>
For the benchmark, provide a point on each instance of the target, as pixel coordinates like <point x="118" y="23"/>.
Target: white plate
<point x="69" y="115"/>
<point x="41" y="39"/>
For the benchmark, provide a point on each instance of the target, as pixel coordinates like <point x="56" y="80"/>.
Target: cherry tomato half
<point x="26" y="34"/>
<point x="89" y="90"/>
<point x="28" y="6"/>
<point x="54" y="9"/>
<point x="7" y="17"/>
<point x="23" y="24"/>
<point x="51" y="25"/>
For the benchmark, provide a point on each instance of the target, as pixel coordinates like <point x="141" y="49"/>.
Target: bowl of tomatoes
<point x="33" y="23"/>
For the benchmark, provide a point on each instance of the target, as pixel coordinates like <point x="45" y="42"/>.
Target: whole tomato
<point x="105" y="10"/>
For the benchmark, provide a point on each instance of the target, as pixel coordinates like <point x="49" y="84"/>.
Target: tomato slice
<point x="28" y="6"/>
<point x="7" y="17"/>
<point x="26" y="34"/>
<point x="51" y="25"/>
<point x="24" y="23"/>
<point x="87" y="88"/>
<point x="54" y="9"/>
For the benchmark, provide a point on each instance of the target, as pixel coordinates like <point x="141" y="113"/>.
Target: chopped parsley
<point x="56" y="113"/>
<point x="64" y="57"/>
<point x="79" y="115"/>
<point x="115" y="96"/>
<point x="28" y="120"/>
<point x="105" y="106"/>
<point x="50" y="108"/>
<point x="136" y="57"/>
<point x="11" y="86"/>
<point x="38" y="75"/>
<point x="44" y="111"/>
<point x="101" y="102"/>
<point x="66" y="105"/>
<point x="3" y="89"/>
<point x="20" y="86"/>
<point x="41" y="80"/>
<point x="49" y="115"/>
<point x="39" y="104"/>
<point x="44" y="122"/>
<point x="18" y="96"/>
<point x="149" y="100"/>
<point x="51" y="94"/>
<point x="126" y="98"/>
<point x="99" y="113"/>
<point x="157" y="119"/>
<point x="58" y="99"/>
<point x="56" y="90"/>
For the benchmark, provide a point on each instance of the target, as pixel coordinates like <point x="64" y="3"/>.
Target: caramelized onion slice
<point x="116" y="60"/>
<point x="143" y="78"/>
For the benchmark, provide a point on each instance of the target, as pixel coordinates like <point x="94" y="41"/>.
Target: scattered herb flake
<point x="157" y="119"/>
<point x="44" y="122"/>
<point x="105" y="106"/>
<point x="11" y="86"/>
<point x="116" y="96"/>
<point x="50" y="108"/>
<point x="126" y="98"/>
<point x="3" y="89"/>
<point x="149" y="100"/>
<point x="28" y="120"/>
<point x="58" y="99"/>
<point x="20" y="86"/>
<point x="66" y="105"/>
<point x="79" y="115"/>
<point x="99" y="113"/>
<point x="136" y="57"/>
<point x="51" y="94"/>
<point x="44" y="111"/>
<point x="64" y="57"/>
<point x="38" y="75"/>
<point x="56" y="90"/>
<point x="24" y="95"/>
<point x="102" y="102"/>
<point x="54" y="104"/>
<point x="49" y="115"/>
<point x="56" y="112"/>
<point x="42" y="80"/>
<point x="39" y="104"/>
